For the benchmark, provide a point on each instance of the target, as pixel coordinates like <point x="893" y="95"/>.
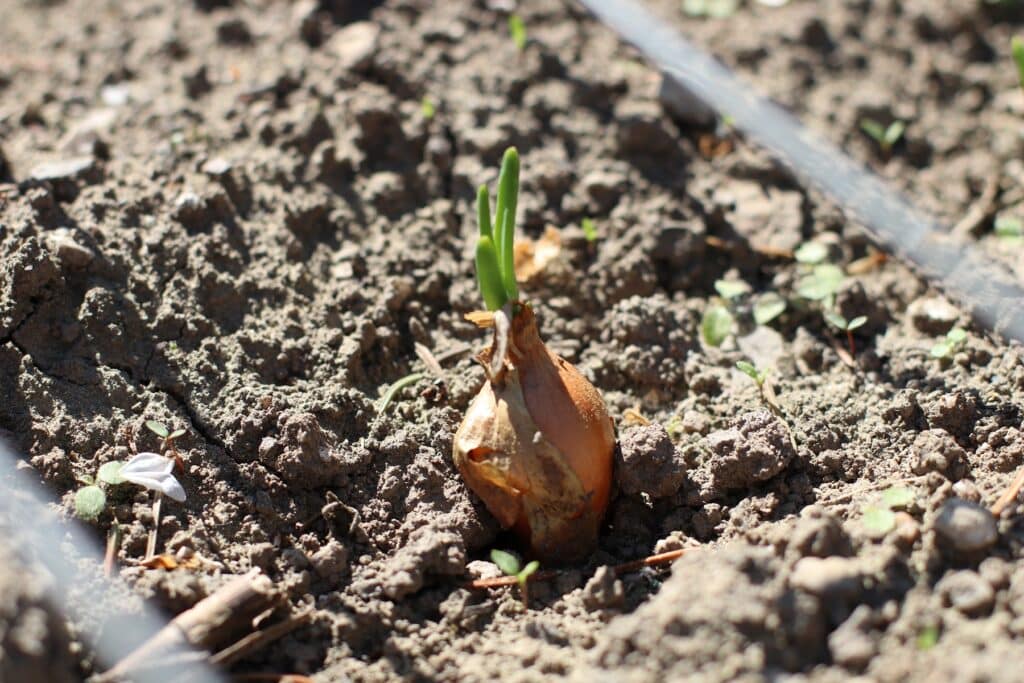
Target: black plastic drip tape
<point x="65" y="550"/>
<point x="987" y="290"/>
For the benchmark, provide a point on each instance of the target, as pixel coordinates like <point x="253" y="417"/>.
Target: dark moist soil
<point x="237" y="218"/>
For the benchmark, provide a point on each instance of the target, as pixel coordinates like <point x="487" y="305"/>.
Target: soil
<point x="237" y="218"/>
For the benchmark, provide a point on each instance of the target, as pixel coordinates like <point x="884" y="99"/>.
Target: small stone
<point x="932" y="315"/>
<point x="907" y="529"/>
<point x="967" y="489"/>
<point x="480" y="569"/>
<point x="217" y="166"/>
<point x="966" y="527"/>
<point x="71" y="254"/>
<point x="648" y="462"/>
<point x="66" y="169"/>
<point x="330" y="561"/>
<point x="831" y="577"/>
<point x="966" y="591"/>
<point x="603" y="590"/>
<point x="355" y="45"/>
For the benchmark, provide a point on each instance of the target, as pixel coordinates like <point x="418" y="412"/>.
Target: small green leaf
<point x="589" y="231"/>
<point x="957" y="335"/>
<point x="505" y="220"/>
<point x="716" y="325"/>
<point x="731" y="289"/>
<point x="894" y="132"/>
<point x="1009" y="227"/>
<point x="874" y="129"/>
<point x="749" y="370"/>
<point x="768" y="307"/>
<point x="506" y="561"/>
<point x="811" y="253"/>
<point x="89" y="502"/>
<point x="836" y="320"/>
<point x="176" y="434"/>
<point x="897" y="497"/>
<point x="157" y="428"/>
<point x="427" y="107"/>
<point x="517" y="29"/>
<point x="928" y="638"/>
<point x="1017" y="51"/>
<point x="856" y="322"/>
<point x="941" y="349"/>
<point x="821" y="283"/>
<point x="695" y="8"/>
<point x="110" y="473"/>
<point x="527" y="571"/>
<point x="878" y="521"/>
<point x="488" y="274"/>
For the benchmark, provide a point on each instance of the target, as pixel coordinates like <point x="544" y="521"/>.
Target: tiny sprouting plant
<point x="90" y="501"/>
<point x="169" y="437"/>
<point x="953" y="340"/>
<point x="885" y="136"/>
<point x="589" y="231"/>
<point x="751" y="371"/>
<point x="879" y="519"/>
<point x="1017" y="52"/>
<point x="731" y="289"/>
<point x="495" y="257"/>
<point x="1009" y="228"/>
<point x="510" y="565"/>
<point x="847" y="326"/>
<point x="427" y="107"/>
<point x="517" y="29"/>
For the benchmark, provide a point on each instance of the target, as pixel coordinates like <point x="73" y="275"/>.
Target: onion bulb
<point x="537" y="442"/>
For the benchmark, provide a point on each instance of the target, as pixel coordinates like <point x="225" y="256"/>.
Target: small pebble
<point x="966" y="527"/>
<point x="967" y="592"/>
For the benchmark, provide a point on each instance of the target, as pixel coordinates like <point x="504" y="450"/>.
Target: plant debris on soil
<point x="238" y="218"/>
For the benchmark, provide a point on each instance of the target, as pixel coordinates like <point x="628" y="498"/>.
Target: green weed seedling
<point x="768" y="307"/>
<point x="717" y="322"/>
<point x="427" y="107"/>
<point x="1017" y="52"/>
<point x="748" y="369"/>
<point x="495" y="259"/>
<point x="821" y="283"/>
<point x="847" y="326"/>
<point x="879" y="519"/>
<point x="589" y="230"/>
<point x="510" y="565"/>
<point x="953" y="340"/>
<point x="517" y="29"/>
<point x="885" y="136"/>
<point x="811" y="253"/>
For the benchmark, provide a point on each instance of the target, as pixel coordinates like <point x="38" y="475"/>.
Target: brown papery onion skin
<point x="537" y="446"/>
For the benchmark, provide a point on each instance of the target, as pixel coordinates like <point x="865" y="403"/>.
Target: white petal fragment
<point x="153" y="471"/>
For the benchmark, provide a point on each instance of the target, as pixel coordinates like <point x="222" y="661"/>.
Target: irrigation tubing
<point x="987" y="290"/>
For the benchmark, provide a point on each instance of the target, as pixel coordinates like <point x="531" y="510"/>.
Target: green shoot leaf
<point x="393" y="390"/>
<point x="878" y="521"/>
<point x="768" y="307"/>
<point x="874" y="129"/>
<point x="527" y="571"/>
<point x="957" y="335"/>
<point x="893" y="133"/>
<point x="731" y="289"/>
<point x="589" y="231"/>
<point x="176" y="434"/>
<point x="517" y="29"/>
<point x="427" y="107"/>
<point x="505" y="214"/>
<point x="750" y="371"/>
<point x="157" y="428"/>
<point x="716" y="325"/>
<point x="836" y="320"/>
<point x="1009" y="228"/>
<point x="110" y="473"/>
<point x="506" y="561"/>
<point x="89" y="502"/>
<point x="1017" y="51"/>
<point x="483" y="211"/>
<point x="856" y="322"/>
<point x="928" y="638"/>
<point x="488" y="274"/>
